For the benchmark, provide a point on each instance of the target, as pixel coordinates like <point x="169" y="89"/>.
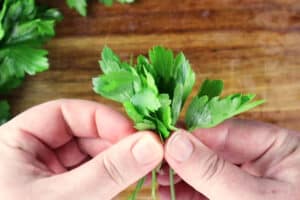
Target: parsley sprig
<point x="24" y="29"/>
<point x="153" y="92"/>
<point x="81" y="5"/>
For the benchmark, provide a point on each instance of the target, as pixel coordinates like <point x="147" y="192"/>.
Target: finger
<point x="110" y="172"/>
<point x="56" y="122"/>
<point x="259" y="148"/>
<point x="70" y="154"/>
<point x="182" y="190"/>
<point x="30" y="145"/>
<point x="213" y="176"/>
<point x="93" y="146"/>
<point x="240" y="141"/>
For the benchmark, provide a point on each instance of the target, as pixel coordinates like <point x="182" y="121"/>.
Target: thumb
<point x="112" y="171"/>
<point x="208" y="173"/>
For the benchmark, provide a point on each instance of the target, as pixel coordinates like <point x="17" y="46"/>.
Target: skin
<point x="73" y="149"/>
<point x="238" y="159"/>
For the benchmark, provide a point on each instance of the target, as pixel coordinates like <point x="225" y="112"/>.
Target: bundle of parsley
<point x="153" y="92"/>
<point x="24" y="29"/>
<point x="81" y="5"/>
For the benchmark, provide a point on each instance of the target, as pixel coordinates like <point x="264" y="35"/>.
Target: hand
<point x="70" y="149"/>
<point x="236" y="160"/>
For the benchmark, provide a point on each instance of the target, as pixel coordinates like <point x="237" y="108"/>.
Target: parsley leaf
<point x="24" y="28"/>
<point x="173" y="75"/>
<point x="118" y="86"/>
<point x="208" y="109"/>
<point x="4" y="112"/>
<point x="81" y="5"/>
<point x="146" y="99"/>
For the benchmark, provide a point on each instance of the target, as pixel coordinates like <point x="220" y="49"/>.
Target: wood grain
<point x="253" y="45"/>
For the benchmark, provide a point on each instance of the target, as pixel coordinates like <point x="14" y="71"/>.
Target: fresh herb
<point x="24" y="28"/>
<point x="208" y="109"/>
<point x="153" y="92"/>
<point x="81" y="5"/>
<point x="4" y="112"/>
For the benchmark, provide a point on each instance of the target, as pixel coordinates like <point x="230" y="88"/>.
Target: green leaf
<point x="184" y="75"/>
<point x="118" y="86"/>
<point x="110" y="62"/>
<point x="79" y="5"/>
<point x="49" y="14"/>
<point x="177" y="103"/>
<point x="162" y="129"/>
<point x="4" y="112"/>
<point x="10" y="84"/>
<point x="142" y="61"/>
<point x="210" y="110"/>
<point x="146" y="99"/>
<point x="172" y="75"/>
<point x="198" y="114"/>
<point x="147" y="78"/>
<point x="21" y="59"/>
<point x="145" y="125"/>
<point x="132" y="112"/>
<point x="107" y="2"/>
<point x="165" y="110"/>
<point x="25" y="27"/>
<point x="211" y="88"/>
<point x="125" y="1"/>
<point x="110" y="2"/>
<point x="162" y="60"/>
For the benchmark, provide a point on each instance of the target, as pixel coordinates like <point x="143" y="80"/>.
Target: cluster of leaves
<point x="152" y="92"/>
<point x="81" y="5"/>
<point x="24" y="28"/>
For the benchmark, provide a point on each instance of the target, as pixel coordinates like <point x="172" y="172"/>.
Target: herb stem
<point x="153" y="185"/>
<point x="137" y="189"/>
<point x="172" y="186"/>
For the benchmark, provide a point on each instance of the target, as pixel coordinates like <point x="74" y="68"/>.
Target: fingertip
<point x="179" y="146"/>
<point x="148" y="148"/>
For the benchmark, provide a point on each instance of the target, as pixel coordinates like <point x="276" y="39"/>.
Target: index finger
<point x="56" y="122"/>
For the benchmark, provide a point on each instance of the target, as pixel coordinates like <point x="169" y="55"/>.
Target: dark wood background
<point x="253" y="45"/>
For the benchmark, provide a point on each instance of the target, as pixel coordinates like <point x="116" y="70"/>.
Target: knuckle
<point x="212" y="167"/>
<point x="113" y="171"/>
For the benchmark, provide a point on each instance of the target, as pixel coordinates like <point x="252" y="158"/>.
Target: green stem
<point x="153" y="185"/>
<point x="172" y="186"/>
<point x="137" y="189"/>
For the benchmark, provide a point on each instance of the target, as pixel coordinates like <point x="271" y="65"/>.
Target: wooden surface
<point x="253" y="45"/>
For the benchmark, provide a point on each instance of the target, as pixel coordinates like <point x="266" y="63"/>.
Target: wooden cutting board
<point x="253" y="45"/>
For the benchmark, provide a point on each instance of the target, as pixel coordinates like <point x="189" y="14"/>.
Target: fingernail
<point x="180" y="147"/>
<point x="145" y="150"/>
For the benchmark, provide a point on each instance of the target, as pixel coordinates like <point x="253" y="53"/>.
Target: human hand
<point x="237" y="160"/>
<point x="70" y="149"/>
